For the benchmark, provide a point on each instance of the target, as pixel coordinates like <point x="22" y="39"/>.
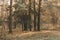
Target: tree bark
<point x="30" y="15"/>
<point x="34" y="17"/>
<point x="38" y="28"/>
<point x="10" y="18"/>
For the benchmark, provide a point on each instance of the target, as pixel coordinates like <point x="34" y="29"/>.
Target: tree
<point x="30" y="15"/>
<point x="39" y="15"/>
<point x="21" y="13"/>
<point x="47" y="11"/>
<point x="34" y="17"/>
<point x="10" y="18"/>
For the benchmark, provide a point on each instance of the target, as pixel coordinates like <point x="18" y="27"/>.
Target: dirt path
<point x="41" y="35"/>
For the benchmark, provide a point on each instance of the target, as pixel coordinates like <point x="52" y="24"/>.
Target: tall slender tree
<point x="34" y="17"/>
<point x="10" y="18"/>
<point x="30" y="14"/>
<point x="39" y="15"/>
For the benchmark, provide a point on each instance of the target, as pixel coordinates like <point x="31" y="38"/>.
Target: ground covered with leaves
<point x="41" y="35"/>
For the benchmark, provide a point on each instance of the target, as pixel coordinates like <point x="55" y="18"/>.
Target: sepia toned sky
<point x="8" y="2"/>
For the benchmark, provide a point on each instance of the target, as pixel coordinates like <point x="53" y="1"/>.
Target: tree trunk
<point x="25" y="22"/>
<point x="30" y="15"/>
<point x="34" y="17"/>
<point x="10" y="18"/>
<point x="39" y="15"/>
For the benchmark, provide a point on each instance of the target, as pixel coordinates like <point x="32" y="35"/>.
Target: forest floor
<point x="38" y="35"/>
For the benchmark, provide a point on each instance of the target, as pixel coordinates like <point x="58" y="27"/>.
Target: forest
<point x="20" y="18"/>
